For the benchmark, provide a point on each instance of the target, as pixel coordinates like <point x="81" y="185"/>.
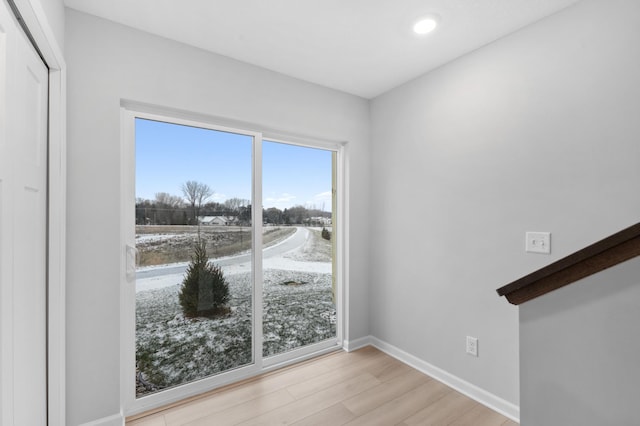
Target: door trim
<point x="36" y="21"/>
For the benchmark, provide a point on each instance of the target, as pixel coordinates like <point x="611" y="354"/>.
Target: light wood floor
<point x="365" y="387"/>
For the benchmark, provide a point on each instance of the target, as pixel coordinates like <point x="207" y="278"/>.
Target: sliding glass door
<point x="215" y="289"/>
<point x="194" y="285"/>
<point x="298" y="195"/>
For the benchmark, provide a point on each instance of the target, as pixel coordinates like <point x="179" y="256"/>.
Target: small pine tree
<point x="326" y="234"/>
<point x="204" y="290"/>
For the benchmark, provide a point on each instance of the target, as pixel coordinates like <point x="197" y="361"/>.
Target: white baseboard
<point x="352" y="345"/>
<point x="115" y="420"/>
<point x="480" y="395"/>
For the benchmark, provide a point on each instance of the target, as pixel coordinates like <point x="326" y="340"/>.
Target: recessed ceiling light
<point x="425" y="25"/>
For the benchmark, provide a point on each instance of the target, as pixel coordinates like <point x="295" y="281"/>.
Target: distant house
<point x="218" y="220"/>
<point x="318" y="221"/>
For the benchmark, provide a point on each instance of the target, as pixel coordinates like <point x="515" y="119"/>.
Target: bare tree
<point x="234" y="204"/>
<point x="168" y="200"/>
<point x="166" y="208"/>
<point x="196" y="194"/>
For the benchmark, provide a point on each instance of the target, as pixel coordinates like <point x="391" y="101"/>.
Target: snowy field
<point x="298" y="310"/>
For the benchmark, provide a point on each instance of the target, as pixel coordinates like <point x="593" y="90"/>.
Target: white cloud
<point x="282" y="198"/>
<point x="320" y="201"/>
<point x="323" y="196"/>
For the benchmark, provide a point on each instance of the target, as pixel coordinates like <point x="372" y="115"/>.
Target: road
<point x="293" y="242"/>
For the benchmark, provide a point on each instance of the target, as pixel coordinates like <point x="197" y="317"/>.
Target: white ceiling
<point x="363" y="47"/>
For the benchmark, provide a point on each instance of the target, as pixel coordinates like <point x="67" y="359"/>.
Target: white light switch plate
<point x="538" y="242"/>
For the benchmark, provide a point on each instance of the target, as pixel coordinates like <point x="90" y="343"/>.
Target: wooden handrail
<point x="604" y="254"/>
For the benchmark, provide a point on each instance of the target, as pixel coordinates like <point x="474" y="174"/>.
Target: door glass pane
<point x="298" y="298"/>
<point x="193" y="235"/>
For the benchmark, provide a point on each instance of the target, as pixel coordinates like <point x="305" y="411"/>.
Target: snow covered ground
<point x="294" y="259"/>
<point x="155" y="238"/>
<point x="298" y="310"/>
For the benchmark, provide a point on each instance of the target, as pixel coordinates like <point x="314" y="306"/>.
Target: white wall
<point x="109" y="62"/>
<point x="536" y="132"/>
<point x="54" y="10"/>
<point x="579" y="351"/>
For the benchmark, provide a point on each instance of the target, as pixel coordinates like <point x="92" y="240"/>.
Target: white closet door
<point x="23" y="227"/>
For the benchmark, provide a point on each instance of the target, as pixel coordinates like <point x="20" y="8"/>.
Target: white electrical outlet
<point x="538" y="242"/>
<point x="472" y="345"/>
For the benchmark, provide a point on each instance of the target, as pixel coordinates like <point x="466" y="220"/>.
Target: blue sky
<point x="167" y="155"/>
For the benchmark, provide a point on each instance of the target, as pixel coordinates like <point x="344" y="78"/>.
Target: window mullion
<point x="256" y="220"/>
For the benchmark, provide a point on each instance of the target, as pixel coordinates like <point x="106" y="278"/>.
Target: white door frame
<point x="129" y="112"/>
<point x="36" y="21"/>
